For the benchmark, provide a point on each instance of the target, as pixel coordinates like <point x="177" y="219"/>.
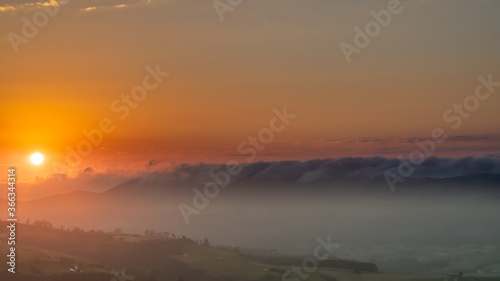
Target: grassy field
<point x="231" y="264"/>
<point x="48" y="254"/>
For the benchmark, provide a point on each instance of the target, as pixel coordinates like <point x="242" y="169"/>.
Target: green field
<point x="50" y="254"/>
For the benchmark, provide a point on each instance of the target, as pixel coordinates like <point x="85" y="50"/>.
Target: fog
<point x="427" y="224"/>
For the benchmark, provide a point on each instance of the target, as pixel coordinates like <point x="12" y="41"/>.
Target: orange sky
<point x="226" y="77"/>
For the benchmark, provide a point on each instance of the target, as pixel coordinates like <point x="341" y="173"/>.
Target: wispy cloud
<point x="82" y="6"/>
<point x="378" y="140"/>
<point x="89" y="9"/>
<point x="6" y="8"/>
<point x="20" y="5"/>
<point x="50" y="3"/>
<point x="154" y="163"/>
<point x="113" y="4"/>
<point x="358" y="140"/>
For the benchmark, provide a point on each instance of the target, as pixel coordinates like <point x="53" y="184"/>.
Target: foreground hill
<point x="45" y="253"/>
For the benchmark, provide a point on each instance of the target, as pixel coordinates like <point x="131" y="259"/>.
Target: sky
<point x="228" y="75"/>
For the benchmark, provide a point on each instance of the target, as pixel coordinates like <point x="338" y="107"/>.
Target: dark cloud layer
<point x="330" y="169"/>
<point x="279" y="172"/>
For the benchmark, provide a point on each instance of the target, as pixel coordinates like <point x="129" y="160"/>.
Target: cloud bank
<point x="278" y="172"/>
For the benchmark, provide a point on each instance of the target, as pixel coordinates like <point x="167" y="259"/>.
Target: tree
<point x="205" y="242"/>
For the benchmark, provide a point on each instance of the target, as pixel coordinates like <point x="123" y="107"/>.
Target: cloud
<point x="20" y="5"/>
<point x="153" y="163"/>
<point x="376" y="140"/>
<point x="89" y="170"/>
<point x="113" y="4"/>
<point x="358" y="140"/>
<point x="326" y="170"/>
<point x="331" y="169"/>
<point x="48" y="4"/>
<point x="82" y="6"/>
<point x="469" y="138"/>
<point x="6" y="8"/>
<point x="87" y="179"/>
<point x="261" y="173"/>
<point x="89" y="9"/>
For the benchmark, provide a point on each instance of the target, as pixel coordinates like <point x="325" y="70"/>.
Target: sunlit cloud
<point x="50" y="3"/>
<point x="30" y="5"/>
<point x="108" y="4"/>
<point x="6" y="8"/>
<point x="89" y="9"/>
<point x="83" y="6"/>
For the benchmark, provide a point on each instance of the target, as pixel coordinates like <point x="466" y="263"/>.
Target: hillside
<point x="45" y="253"/>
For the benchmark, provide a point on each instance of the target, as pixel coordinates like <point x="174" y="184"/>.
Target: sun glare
<point x="37" y="158"/>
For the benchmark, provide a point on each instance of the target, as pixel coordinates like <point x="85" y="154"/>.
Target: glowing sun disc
<point x="37" y="158"/>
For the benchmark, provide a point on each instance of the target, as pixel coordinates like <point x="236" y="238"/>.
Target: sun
<point x="37" y="158"/>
